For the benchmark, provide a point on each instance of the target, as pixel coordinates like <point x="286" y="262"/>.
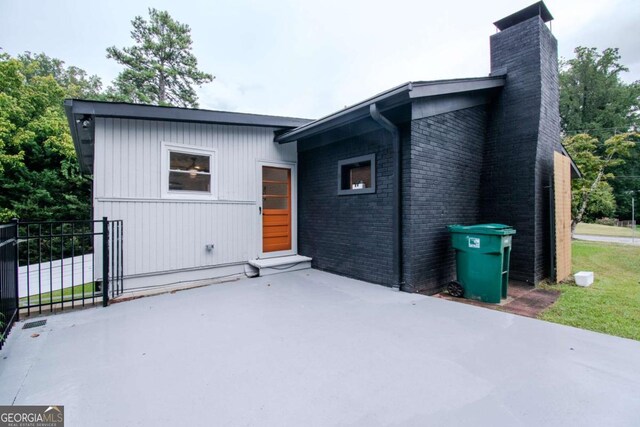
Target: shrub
<point x="607" y="221"/>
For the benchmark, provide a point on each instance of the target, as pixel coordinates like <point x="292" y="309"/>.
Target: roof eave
<point x="78" y="110"/>
<point x="424" y="89"/>
<point x="154" y="112"/>
<point x="73" y="129"/>
<point x="390" y="99"/>
<point x="575" y="171"/>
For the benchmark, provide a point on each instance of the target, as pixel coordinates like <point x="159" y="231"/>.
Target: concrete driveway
<point x="308" y="348"/>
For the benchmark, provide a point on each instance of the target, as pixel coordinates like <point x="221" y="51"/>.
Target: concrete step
<point x="267" y="266"/>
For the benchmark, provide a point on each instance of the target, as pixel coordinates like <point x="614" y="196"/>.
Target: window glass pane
<point x="356" y="176"/>
<point x="275" y="203"/>
<point x="274" y="174"/>
<point x="275" y="189"/>
<point x="360" y="177"/>
<point x="188" y="162"/>
<point x="184" y="181"/>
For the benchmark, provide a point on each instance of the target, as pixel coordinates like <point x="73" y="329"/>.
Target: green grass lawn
<point x="612" y="304"/>
<point x="604" y="230"/>
<point x="67" y="294"/>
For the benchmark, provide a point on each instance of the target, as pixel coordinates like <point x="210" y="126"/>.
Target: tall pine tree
<point x="160" y="67"/>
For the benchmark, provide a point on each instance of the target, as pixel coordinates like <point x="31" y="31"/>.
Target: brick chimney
<point x="523" y="132"/>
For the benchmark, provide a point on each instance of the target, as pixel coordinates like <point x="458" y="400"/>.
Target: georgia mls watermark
<point x="32" y="416"/>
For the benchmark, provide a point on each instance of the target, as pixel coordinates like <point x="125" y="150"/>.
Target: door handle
<point x="260" y="210"/>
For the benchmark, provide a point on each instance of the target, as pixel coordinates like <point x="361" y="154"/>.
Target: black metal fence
<point x="9" y="312"/>
<point x="53" y="265"/>
<point x="64" y="264"/>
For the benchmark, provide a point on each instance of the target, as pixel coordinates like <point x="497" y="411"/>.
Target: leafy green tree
<point x="591" y="194"/>
<point x="627" y="184"/>
<point x="39" y="173"/>
<point x="75" y="81"/>
<point x="160" y="67"/>
<point x="594" y="100"/>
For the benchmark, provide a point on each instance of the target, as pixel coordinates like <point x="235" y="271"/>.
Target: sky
<point x="311" y="58"/>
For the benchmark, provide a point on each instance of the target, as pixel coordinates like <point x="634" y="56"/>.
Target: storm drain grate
<point x="34" y="324"/>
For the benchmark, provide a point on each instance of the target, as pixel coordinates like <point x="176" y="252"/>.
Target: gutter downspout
<point x="395" y="223"/>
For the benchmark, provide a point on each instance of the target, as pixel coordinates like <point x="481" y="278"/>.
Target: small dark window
<point x="357" y="175"/>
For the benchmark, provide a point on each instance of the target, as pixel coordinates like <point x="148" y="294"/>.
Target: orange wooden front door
<point x="276" y="209"/>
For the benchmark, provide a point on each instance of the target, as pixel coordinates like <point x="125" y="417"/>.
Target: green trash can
<point x="482" y="260"/>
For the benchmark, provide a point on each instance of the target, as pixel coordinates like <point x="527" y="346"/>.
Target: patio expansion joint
<point x="26" y="375"/>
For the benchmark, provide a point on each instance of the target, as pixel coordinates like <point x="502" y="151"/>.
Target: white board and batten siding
<point x="165" y="239"/>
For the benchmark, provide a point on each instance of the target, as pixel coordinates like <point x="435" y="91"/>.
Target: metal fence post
<point x="17" y="269"/>
<point x="105" y="261"/>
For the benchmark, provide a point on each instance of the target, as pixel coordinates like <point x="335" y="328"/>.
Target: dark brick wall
<point x="348" y="235"/>
<point x="442" y="170"/>
<point x="523" y="128"/>
<point x="548" y="142"/>
<point x="482" y="164"/>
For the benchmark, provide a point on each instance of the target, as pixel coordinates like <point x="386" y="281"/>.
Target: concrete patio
<point x="308" y="348"/>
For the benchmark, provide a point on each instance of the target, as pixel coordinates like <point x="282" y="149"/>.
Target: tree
<point x="627" y="183"/>
<point x="75" y="81"/>
<point x="160" y="68"/>
<point x="39" y="172"/>
<point x="593" y="98"/>
<point x="592" y="194"/>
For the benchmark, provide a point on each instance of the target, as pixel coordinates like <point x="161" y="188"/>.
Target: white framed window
<point x="188" y="172"/>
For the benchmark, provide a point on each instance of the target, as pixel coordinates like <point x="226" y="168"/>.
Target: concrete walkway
<point x="609" y="239"/>
<point x="308" y="348"/>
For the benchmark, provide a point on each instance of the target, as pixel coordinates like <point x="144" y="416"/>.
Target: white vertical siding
<point x="166" y="234"/>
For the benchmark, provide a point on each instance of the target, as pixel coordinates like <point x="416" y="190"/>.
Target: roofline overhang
<point x="389" y="99"/>
<point x="75" y="137"/>
<point x="154" y="112"/>
<point x="575" y="171"/>
<point x="79" y="110"/>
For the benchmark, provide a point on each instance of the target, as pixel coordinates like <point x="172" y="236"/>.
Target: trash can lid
<point x="500" y="229"/>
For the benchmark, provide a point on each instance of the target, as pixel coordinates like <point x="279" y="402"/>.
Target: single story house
<point x="365" y="192"/>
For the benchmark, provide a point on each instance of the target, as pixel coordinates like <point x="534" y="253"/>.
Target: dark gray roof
<point x="80" y="114"/>
<point x="536" y="9"/>
<point x="389" y="99"/>
<point x="155" y="112"/>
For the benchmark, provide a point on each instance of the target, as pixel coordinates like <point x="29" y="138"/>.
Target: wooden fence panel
<point x="562" y="201"/>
